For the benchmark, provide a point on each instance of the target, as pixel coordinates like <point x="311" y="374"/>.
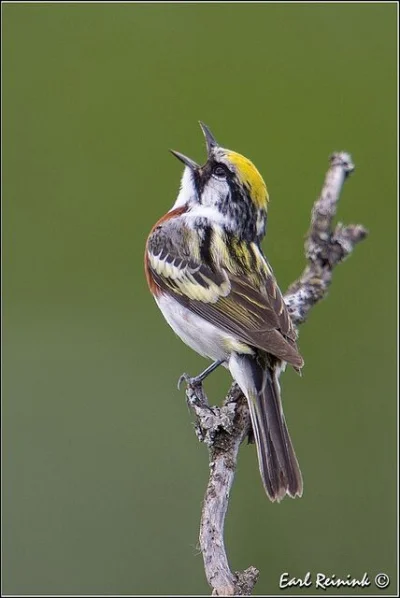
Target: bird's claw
<point x="189" y="380"/>
<point x="195" y="394"/>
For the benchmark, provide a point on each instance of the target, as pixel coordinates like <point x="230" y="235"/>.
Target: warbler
<point x="210" y="278"/>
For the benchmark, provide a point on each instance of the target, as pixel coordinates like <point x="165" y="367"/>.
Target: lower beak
<point x="187" y="161"/>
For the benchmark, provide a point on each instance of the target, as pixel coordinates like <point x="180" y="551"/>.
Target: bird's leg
<point x="197" y="380"/>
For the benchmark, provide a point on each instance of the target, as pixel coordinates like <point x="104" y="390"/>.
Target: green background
<point x="103" y="477"/>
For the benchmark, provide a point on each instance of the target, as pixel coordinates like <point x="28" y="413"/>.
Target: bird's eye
<point x="219" y="171"/>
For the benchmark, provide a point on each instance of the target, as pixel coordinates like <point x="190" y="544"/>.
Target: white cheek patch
<point x="214" y="192"/>
<point x="213" y="195"/>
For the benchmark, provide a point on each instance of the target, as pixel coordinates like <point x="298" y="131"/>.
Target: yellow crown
<point x="250" y="177"/>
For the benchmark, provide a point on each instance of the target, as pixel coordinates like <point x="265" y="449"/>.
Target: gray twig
<point x="224" y="428"/>
<point x="324" y="247"/>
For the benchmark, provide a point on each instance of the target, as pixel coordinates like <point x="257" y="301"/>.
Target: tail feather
<point x="278" y="464"/>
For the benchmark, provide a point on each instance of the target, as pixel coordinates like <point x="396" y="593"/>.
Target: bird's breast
<point x="200" y="335"/>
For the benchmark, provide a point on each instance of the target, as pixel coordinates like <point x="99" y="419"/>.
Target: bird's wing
<point x="226" y="297"/>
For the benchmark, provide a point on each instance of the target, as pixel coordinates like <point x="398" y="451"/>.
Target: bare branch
<point x="324" y="247"/>
<point x="224" y="428"/>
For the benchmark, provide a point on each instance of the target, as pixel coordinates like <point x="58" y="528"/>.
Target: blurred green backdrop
<point x="103" y="476"/>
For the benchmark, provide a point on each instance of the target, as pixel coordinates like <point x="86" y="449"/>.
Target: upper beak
<point x="191" y="163"/>
<point x="210" y="139"/>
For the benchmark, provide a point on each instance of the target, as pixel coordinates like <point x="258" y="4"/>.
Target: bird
<point x="207" y="272"/>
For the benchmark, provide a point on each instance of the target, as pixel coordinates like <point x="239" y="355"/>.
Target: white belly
<point x="203" y="337"/>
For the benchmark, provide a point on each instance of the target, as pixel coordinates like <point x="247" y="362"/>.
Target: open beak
<point x="210" y="139"/>
<point x="211" y="145"/>
<point x="187" y="161"/>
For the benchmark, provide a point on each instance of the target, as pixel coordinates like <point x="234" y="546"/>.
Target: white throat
<point x="210" y="213"/>
<point x="187" y="192"/>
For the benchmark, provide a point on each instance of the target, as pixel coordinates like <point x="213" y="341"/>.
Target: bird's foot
<point x="192" y="381"/>
<point x="197" y="380"/>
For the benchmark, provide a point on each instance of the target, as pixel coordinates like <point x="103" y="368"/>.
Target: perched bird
<point x="208" y="274"/>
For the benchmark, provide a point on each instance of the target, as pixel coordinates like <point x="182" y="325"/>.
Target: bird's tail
<point x="279" y="468"/>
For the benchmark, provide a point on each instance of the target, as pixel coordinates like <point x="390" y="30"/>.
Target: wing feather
<point x="256" y="315"/>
